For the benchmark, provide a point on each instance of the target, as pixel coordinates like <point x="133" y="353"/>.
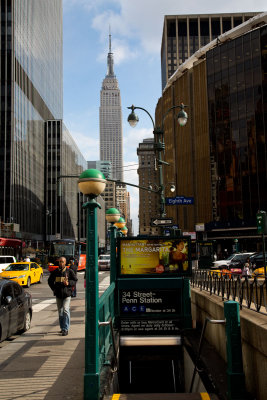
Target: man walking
<point x="61" y="281"/>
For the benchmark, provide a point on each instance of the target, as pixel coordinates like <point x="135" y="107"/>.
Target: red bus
<point x="67" y="248"/>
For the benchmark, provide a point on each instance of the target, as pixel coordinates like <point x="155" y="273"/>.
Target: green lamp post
<point x="120" y="223"/>
<point x="91" y="183"/>
<point x="124" y="230"/>
<point x="112" y="216"/>
<point x="159" y="144"/>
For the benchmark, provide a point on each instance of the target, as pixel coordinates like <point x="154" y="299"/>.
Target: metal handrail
<point x="247" y="291"/>
<point x="115" y="351"/>
<point x="211" y="321"/>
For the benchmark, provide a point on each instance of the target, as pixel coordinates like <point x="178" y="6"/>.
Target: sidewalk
<point x="41" y="364"/>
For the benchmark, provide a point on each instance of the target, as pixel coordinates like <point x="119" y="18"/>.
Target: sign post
<point x="262" y="229"/>
<point x="161" y="222"/>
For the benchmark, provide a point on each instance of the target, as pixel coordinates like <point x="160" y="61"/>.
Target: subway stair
<point x="162" y="396"/>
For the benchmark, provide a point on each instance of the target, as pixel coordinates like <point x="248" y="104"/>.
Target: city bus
<point x="67" y="248"/>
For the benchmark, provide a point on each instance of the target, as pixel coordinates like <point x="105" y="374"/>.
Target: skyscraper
<point x="36" y="149"/>
<point x="110" y="117"/>
<point x="31" y="93"/>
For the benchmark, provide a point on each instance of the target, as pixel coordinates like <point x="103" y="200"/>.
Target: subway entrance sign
<point x="153" y="285"/>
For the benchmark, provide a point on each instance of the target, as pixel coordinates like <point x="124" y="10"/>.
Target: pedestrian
<point x="61" y="281"/>
<point x="246" y="268"/>
<point x="74" y="268"/>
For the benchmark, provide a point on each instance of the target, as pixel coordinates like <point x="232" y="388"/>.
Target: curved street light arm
<point x="131" y="184"/>
<point x="181" y="106"/>
<point x="141" y="108"/>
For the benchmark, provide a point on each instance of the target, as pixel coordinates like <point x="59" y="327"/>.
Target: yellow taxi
<point x="25" y="273"/>
<point x="259" y="273"/>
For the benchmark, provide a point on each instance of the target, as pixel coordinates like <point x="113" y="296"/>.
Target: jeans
<point x="74" y="292"/>
<point x="63" y="306"/>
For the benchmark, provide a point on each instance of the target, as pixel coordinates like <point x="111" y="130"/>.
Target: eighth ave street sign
<point x="162" y="221"/>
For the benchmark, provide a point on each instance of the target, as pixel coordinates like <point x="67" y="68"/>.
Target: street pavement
<point x="42" y="364"/>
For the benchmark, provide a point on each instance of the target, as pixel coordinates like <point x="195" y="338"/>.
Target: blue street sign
<point x="179" y="200"/>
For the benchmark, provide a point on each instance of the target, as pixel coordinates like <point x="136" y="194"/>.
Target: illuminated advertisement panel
<point x="155" y="256"/>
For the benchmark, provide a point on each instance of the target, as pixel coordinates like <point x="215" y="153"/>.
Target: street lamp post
<point x="91" y="183"/>
<point x="120" y="223"/>
<point x="112" y="216"/>
<point x="124" y="230"/>
<point x="159" y="144"/>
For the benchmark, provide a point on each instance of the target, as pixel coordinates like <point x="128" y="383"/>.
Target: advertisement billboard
<point x="159" y="256"/>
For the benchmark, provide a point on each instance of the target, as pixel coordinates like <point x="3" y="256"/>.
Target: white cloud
<point x="87" y="144"/>
<point x="143" y="20"/>
<point x="120" y="49"/>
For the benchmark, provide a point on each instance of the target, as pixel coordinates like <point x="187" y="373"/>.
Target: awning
<point x="7" y="242"/>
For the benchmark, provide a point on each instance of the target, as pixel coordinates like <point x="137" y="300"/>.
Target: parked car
<point x="5" y="261"/>
<point x="24" y="273"/>
<point x="233" y="258"/>
<point x="15" y="309"/>
<point x="104" y="262"/>
<point x="257" y="260"/>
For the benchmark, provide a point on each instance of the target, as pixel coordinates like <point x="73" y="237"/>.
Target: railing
<point x="106" y="317"/>
<point x="249" y="292"/>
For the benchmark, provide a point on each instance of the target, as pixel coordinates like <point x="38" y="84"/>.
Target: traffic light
<point x="261" y="222"/>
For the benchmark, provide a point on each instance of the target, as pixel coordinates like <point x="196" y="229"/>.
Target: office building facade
<point x="148" y="176"/>
<point x="36" y="148"/>
<point x="64" y="216"/>
<point x="31" y="93"/>
<point x="183" y="35"/>
<point x="103" y="166"/>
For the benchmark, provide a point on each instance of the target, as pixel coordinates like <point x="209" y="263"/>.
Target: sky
<point x="136" y="29"/>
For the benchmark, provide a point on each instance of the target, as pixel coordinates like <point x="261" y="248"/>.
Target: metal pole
<point x="235" y="374"/>
<point x="113" y="270"/>
<point x="264" y="258"/>
<point x="159" y="146"/>
<point x="91" y="375"/>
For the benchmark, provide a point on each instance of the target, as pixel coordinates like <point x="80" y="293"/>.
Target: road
<point x="42" y="297"/>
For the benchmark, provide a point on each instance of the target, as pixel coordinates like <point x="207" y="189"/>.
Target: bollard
<point x="235" y="375"/>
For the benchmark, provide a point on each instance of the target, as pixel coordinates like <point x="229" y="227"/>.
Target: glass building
<point x="31" y="93"/>
<point x="237" y="98"/>
<point x="63" y="202"/>
<point x="219" y="157"/>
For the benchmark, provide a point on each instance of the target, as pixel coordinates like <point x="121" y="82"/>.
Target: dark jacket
<point x="55" y="282"/>
<point x="74" y="268"/>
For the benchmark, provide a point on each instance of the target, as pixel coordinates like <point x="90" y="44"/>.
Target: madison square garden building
<point x="219" y="157"/>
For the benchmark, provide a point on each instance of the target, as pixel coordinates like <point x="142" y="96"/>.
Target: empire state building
<point x="110" y="117"/>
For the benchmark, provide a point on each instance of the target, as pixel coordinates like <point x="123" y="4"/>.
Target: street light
<point x="172" y="187"/>
<point x="120" y="223"/>
<point x="91" y="183"/>
<point x="113" y="216"/>
<point x="159" y="144"/>
<point x="124" y="230"/>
